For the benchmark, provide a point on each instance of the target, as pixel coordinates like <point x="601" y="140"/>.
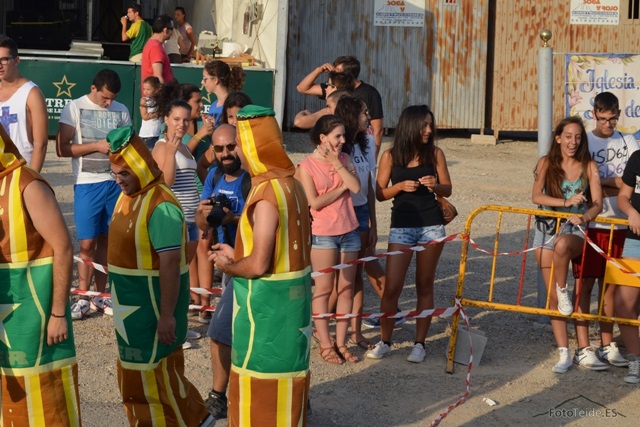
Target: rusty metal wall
<point x="515" y="48"/>
<point x="442" y="64"/>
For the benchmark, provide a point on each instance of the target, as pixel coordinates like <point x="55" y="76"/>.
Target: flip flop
<point x="363" y="344"/>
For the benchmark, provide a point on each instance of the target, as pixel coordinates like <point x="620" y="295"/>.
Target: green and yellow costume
<point x="154" y="390"/>
<point x="39" y="382"/>
<point x="269" y="382"/>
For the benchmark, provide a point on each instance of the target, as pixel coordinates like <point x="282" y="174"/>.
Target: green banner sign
<point x="62" y="80"/>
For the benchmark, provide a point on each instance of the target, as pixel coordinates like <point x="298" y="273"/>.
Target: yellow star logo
<point x="5" y="311"/>
<point x="121" y="312"/>
<point x="206" y="97"/>
<point x="64" y="83"/>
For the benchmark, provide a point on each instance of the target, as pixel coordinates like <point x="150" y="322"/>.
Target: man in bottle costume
<point x="149" y="280"/>
<point x="38" y="369"/>
<point x="269" y="380"/>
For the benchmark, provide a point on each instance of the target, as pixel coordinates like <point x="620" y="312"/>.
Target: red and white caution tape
<point x="100" y="268"/>
<point x="434" y="312"/>
<point x="467" y="392"/>
<point x="610" y="259"/>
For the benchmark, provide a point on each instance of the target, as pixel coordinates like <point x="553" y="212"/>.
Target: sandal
<point x="329" y="355"/>
<point x="363" y="344"/>
<point x="316" y="338"/>
<point x="344" y="352"/>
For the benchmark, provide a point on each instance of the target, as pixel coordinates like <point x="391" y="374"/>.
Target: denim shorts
<point x="193" y="232"/>
<point x="222" y="318"/>
<point x="362" y="214"/>
<point x="412" y="236"/>
<point x="631" y="248"/>
<point x="348" y="242"/>
<point x="547" y="238"/>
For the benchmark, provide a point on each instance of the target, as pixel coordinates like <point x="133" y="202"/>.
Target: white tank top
<point x="13" y="116"/>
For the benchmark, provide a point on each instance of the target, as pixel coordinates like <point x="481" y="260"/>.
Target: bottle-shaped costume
<point x="269" y="379"/>
<point x="39" y="381"/>
<point x="144" y="223"/>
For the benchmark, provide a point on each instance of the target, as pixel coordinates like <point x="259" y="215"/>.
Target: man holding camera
<point x="225" y="191"/>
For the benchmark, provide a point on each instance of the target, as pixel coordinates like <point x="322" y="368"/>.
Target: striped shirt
<point x="185" y="187"/>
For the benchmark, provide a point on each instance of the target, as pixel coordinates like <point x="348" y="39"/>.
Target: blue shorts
<point x="193" y="232"/>
<point x="362" y="214"/>
<point x="222" y="319"/>
<point x="92" y="208"/>
<point x="631" y="248"/>
<point x="348" y="242"/>
<point x="545" y="237"/>
<point x="150" y="141"/>
<point x="412" y="236"/>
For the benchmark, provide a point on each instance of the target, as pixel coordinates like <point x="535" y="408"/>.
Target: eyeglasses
<point x="220" y="148"/>
<point x="205" y="78"/>
<point x="612" y="121"/>
<point x="122" y="175"/>
<point x="330" y="85"/>
<point x="5" y="60"/>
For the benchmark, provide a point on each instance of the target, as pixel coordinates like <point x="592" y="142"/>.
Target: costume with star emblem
<point x="150" y="374"/>
<point x="269" y="381"/>
<point x="39" y="381"/>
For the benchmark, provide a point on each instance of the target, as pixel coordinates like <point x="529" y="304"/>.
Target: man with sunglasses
<point x="229" y="179"/>
<point x="84" y="125"/>
<point x="611" y="150"/>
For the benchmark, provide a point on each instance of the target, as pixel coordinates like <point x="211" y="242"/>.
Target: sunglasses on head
<point x="220" y="148"/>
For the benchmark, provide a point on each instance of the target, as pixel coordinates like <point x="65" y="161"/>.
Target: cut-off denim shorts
<point x="548" y="239"/>
<point x="631" y="248"/>
<point x="348" y="242"/>
<point x="362" y="214"/>
<point x="416" y="235"/>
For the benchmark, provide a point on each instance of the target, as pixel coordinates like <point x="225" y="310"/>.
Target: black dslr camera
<point x="217" y="213"/>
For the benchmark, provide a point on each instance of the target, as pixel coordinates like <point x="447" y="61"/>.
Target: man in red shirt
<point x="155" y="61"/>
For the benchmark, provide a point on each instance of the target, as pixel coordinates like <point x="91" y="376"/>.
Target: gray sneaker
<point x="586" y="358"/>
<point x="217" y="405"/>
<point x="379" y="351"/>
<point x="611" y="354"/>
<point x="633" y="376"/>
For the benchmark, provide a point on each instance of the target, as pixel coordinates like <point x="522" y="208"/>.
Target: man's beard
<point x="230" y="168"/>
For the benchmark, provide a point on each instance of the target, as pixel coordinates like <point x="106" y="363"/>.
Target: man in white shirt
<point x="611" y="150"/>
<point x="84" y="125"/>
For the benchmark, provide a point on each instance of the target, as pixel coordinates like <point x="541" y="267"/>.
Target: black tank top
<point x="418" y="208"/>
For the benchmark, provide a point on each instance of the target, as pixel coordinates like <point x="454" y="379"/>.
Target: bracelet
<point x="197" y="138"/>
<point x="586" y="214"/>
<point x="564" y="203"/>
<point x="58" y="317"/>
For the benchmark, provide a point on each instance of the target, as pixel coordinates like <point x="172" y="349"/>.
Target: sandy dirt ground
<point x="515" y="370"/>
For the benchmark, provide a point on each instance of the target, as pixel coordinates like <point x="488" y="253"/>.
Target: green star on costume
<point x="5" y="311"/>
<point x="121" y="312"/>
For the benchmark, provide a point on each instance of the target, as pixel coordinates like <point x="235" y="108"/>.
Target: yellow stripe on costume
<point x="283" y="238"/>
<point x="156" y="311"/>
<point x="36" y="301"/>
<point x="252" y="334"/>
<point x="36" y="370"/>
<point x="153" y="398"/>
<point x="245" y="396"/>
<point x="27" y="264"/>
<point x="143" y="244"/>
<point x="34" y="400"/>
<point x="249" y="147"/>
<point x="7" y="158"/>
<point x="269" y="376"/>
<point x="69" y="386"/>
<point x="169" y="389"/>
<point x="137" y="163"/>
<point x="138" y="272"/>
<point x="18" y="232"/>
<point x="285" y="392"/>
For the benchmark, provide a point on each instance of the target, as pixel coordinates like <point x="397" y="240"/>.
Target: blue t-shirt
<point x="233" y="191"/>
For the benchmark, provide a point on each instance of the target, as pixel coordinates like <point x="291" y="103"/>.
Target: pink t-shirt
<point x="338" y="217"/>
<point x="154" y="52"/>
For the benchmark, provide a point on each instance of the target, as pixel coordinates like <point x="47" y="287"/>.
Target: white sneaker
<point x="417" y="354"/>
<point x="379" y="351"/>
<point x="565" y="306"/>
<point x="186" y="345"/>
<point x="103" y="305"/>
<point x="80" y="309"/>
<point x="633" y="376"/>
<point x="193" y="335"/>
<point x="564" y="363"/>
<point x="586" y="358"/>
<point x="611" y="354"/>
